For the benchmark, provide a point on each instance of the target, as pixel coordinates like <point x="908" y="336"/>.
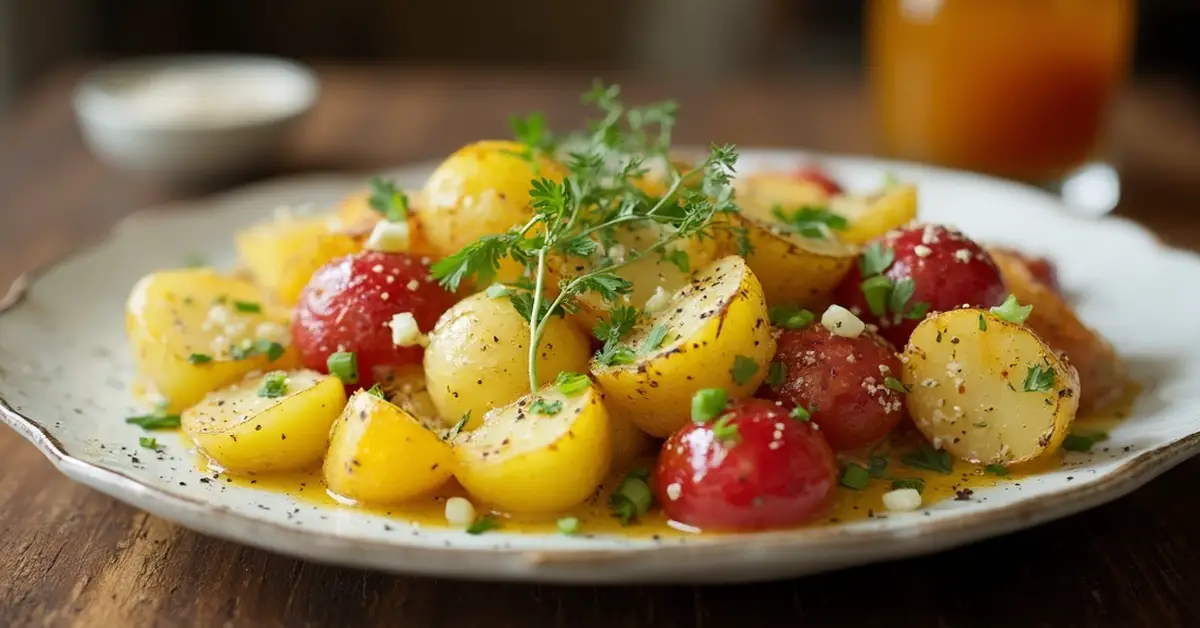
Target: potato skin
<point x="841" y="382"/>
<point x="656" y="390"/>
<point x="966" y="370"/>
<point x="522" y="462"/>
<point x="244" y="432"/>
<point x="482" y="189"/>
<point x="171" y="315"/>
<point x="379" y="453"/>
<point x="1101" y="374"/>
<point x="793" y="269"/>
<point x="478" y="356"/>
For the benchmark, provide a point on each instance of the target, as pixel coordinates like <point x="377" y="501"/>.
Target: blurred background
<point x="700" y="39"/>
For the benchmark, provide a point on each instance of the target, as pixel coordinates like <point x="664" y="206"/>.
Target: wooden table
<point x="71" y="556"/>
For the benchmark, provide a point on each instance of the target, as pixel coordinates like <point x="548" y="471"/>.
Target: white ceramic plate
<point x="64" y="385"/>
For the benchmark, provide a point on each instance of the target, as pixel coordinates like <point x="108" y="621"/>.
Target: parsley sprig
<point x="577" y="217"/>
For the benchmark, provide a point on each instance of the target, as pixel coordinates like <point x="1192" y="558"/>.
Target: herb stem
<point x="536" y="327"/>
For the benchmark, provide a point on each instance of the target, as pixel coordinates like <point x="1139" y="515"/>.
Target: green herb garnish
<point x="458" y="426"/>
<point x="875" y="259"/>
<point x="388" y="200"/>
<point x="344" y="366"/>
<point x="800" y="414"/>
<point x="1083" y="441"/>
<point x="725" y="431"/>
<point x="632" y="498"/>
<point x="1040" y="378"/>
<point x="743" y="369"/>
<point x="776" y="373"/>
<point x="877" y="290"/>
<point x="917" y="484"/>
<point x="148" y="442"/>
<point x="568" y="525"/>
<point x="571" y="384"/>
<point x="811" y="222"/>
<point x="274" y="385"/>
<point x="894" y="384"/>
<point x="982" y="323"/>
<point x="854" y="476"/>
<point x="679" y="258"/>
<point x="377" y="390"/>
<point x="248" y="307"/>
<point x="483" y="524"/>
<point x="157" y="421"/>
<point x="655" y="338"/>
<point x="996" y="469"/>
<point x="929" y="459"/>
<point x="789" y="316"/>
<point x="1012" y="311"/>
<point x="199" y="358"/>
<point x="541" y="406"/>
<point x="708" y="403"/>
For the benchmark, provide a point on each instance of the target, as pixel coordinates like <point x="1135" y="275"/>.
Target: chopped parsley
<point x="725" y="431"/>
<point x="811" y="222"/>
<point x="680" y="259"/>
<point x="894" y="384"/>
<point x="982" y="323"/>
<point x="790" y="316"/>
<point x="776" y="373"/>
<point x="568" y="525"/>
<point x="655" y="338"/>
<point x="800" y="414"/>
<point x="541" y="406"/>
<point x="1040" y="378"/>
<point x="247" y="349"/>
<point x="571" y="384"/>
<point x="929" y="459"/>
<point x="996" y="469"/>
<point x="743" y="369"/>
<point x="159" y="420"/>
<point x="917" y="484"/>
<point x="275" y="385"/>
<point x="1083" y="441"/>
<point x="620" y="322"/>
<point x="1012" y="311"/>
<point x="377" y="390"/>
<point x="878" y="291"/>
<point x="458" y="426"/>
<point x="875" y="259"/>
<point x="148" y="442"/>
<point x="388" y="200"/>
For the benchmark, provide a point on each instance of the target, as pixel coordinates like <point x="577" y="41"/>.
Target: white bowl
<point x="186" y="119"/>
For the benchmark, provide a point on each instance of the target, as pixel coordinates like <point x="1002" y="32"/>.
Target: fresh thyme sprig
<point x="578" y="217"/>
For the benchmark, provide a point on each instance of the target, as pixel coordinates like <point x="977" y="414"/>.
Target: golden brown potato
<point x="986" y="390"/>
<point x="871" y="216"/>
<point x="1102" y="376"/>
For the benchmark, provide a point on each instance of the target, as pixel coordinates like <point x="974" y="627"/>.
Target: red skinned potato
<point x="1039" y="268"/>
<point x="842" y="383"/>
<point x="936" y="267"/>
<point x="348" y="305"/>
<point x="753" y="467"/>
<point x="818" y="177"/>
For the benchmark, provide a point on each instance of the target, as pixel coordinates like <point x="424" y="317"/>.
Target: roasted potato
<point x="406" y="386"/>
<point x="763" y="190"/>
<point x="379" y="453"/>
<point x="526" y="460"/>
<point x="358" y="219"/>
<point x="714" y="333"/>
<point x="871" y="216"/>
<point x="669" y="271"/>
<point x="186" y="327"/>
<point x="986" y="390"/>
<point x="283" y="254"/>
<point x="483" y="189"/>
<point x="478" y="356"/>
<point x="242" y="428"/>
<point x="1101" y="374"/>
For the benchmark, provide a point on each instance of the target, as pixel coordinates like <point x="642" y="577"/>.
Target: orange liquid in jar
<point x="1016" y="88"/>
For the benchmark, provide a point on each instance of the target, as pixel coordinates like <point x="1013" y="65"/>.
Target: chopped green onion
<point x="708" y="403"/>
<point x="789" y="316"/>
<point x="982" y="323"/>
<point x="631" y="499"/>
<point x="1012" y="311"/>
<point x="156" y="421"/>
<point x="854" y="476"/>
<point x="483" y="524"/>
<point x="877" y="290"/>
<point x="571" y="384"/>
<point x="344" y="366"/>
<point x="725" y="431"/>
<point x="568" y="525"/>
<point x="248" y="307"/>
<point x="199" y="358"/>
<point x="273" y="385"/>
<point x="148" y="442"/>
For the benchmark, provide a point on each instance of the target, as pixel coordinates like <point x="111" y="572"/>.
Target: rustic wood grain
<point x="72" y="557"/>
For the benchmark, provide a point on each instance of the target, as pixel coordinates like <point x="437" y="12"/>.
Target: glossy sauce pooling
<point x="851" y="505"/>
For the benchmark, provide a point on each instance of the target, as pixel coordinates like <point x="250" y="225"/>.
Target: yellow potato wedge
<point x="283" y="254"/>
<point x="187" y="329"/>
<point x="986" y="390"/>
<point x="379" y="453"/>
<point x="714" y="333"/>
<point x="1102" y="375"/>
<point x="358" y="219"/>
<point x="647" y="274"/>
<point x="482" y="189"/>
<point x="871" y="216"/>
<point x="792" y="268"/>
<point x="242" y="430"/>
<point x="407" y="387"/>
<point x="521" y="460"/>
<point x="478" y="356"/>
<point x="763" y="190"/>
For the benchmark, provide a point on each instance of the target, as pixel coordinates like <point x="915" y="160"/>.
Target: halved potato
<point x="186" y="326"/>
<point x="792" y="268"/>
<point x="407" y="387"/>
<point x="717" y="321"/>
<point x="379" y="453"/>
<point x="647" y="274"/>
<point x="523" y="460"/>
<point x="283" y="254"/>
<point x="482" y="189"/>
<point x="767" y="189"/>
<point x="242" y="430"/>
<point x="986" y="390"/>
<point x="358" y="219"/>
<point x="478" y="356"/>
<point x="1102" y="375"/>
<point x="873" y="215"/>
